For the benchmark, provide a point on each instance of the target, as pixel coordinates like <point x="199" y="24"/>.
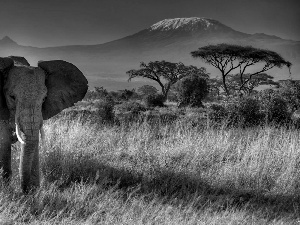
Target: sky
<point x="44" y="23"/>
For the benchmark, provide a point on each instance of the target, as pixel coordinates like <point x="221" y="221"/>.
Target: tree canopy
<point x="165" y="73"/>
<point x="227" y="57"/>
<point x="239" y="85"/>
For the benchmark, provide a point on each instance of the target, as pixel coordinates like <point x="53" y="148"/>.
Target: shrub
<point x="172" y="97"/>
<point x="191" y="90"/>
<point x="156" y="117"/>
<point x="194" y="117"/>
<point x="217" y="113"/>
<point x="131" y="106"/>
<point x="290" y="91"/>
<point x="248" y="112"/>
<point x="295" y="119"/>
<point x="275" y="110"/>
<point x="129" y="111"/>
<point x="97" y="93"/>
<point x="238" y="112"/>
<point x="154" y="100"/>
<point x="105" y="110"/>
<point x="125" y="95"/>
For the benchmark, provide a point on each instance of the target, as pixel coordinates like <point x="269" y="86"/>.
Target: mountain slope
<point x="169" y="39"/>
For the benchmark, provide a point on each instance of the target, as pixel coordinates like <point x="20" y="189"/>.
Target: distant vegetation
<point x="276" y="107"/>
<point x="230" y="101"/>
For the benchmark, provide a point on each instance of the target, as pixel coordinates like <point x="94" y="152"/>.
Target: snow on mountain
<point x="187" y="24"/>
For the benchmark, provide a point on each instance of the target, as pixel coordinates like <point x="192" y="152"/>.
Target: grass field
<point x="152" y="174"/>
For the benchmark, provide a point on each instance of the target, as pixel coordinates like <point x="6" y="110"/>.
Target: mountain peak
<point x="7" y="41"/>
<point x="187" y="24"/>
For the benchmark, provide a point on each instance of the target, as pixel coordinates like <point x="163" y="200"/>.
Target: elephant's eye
<point x="12" y="97"/>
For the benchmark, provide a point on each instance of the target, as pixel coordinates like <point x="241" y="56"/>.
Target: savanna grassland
<point x="143" y="173"/>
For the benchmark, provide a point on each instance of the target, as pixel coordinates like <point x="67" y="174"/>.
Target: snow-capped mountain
<point x="186" y="24"/>
<point x="169" y="39"/>
<point x="193" y="27"/>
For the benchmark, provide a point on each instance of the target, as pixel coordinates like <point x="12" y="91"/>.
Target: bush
<point x="129" y="111"/>
<point x="241" y="112"/>
<point x="125" y="95"/>
<point x="194" y="117"/>
<point x="295" y="119"/>
<point x="133" y="107"/>
<point x="172" y="97"/>
<point x="156" y="117"/>
<point x="105" y="110"/>
<point x="154" y="100"/>
<point x="191" y="90"/>
<point x="97" y="93"/>
<point x="247" y="112"/>
<point x="275" y="110"/>
<point x="217" y="113"/>
<point x="290" y="91"/>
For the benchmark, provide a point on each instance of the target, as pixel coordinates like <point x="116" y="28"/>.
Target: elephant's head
<point x="29" y="95"/>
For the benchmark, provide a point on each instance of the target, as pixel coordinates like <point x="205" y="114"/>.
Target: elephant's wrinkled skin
<point x="29" y="95"/>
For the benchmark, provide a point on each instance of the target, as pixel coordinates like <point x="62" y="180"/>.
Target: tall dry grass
<point x="154" y="174"/>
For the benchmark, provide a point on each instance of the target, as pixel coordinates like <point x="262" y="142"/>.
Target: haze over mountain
<point x="170" y="39"/>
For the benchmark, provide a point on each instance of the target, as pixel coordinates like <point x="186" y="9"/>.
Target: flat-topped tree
<point x="165" y="73"/>
<point x="227" y="58"/>
<point x="247" y="88"/>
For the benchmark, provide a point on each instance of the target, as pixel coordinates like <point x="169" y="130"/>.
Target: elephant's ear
<point x="5" y="65"/>
<point x="66" y="85"/>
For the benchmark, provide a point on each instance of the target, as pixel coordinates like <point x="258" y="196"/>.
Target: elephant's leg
<point x="5" y="150"/>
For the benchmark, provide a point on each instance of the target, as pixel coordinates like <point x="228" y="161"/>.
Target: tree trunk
<point x="224" y="84"/>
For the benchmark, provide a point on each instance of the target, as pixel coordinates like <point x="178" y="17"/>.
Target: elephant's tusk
<point x="42" y="134"/>
<point x="18" y="132"/>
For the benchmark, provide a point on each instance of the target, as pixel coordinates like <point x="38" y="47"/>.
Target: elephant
<point x="29" y="95"/>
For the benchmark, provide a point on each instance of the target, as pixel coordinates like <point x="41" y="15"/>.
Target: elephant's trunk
<point x="27" y="131"/>
<point x="42" y="132"/>
<point x="29" y="165"/>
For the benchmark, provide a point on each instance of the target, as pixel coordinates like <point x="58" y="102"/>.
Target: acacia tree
<point x="247" y="88"/>
<point x="165" y="73"/>
<point x="227" y="58"/>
